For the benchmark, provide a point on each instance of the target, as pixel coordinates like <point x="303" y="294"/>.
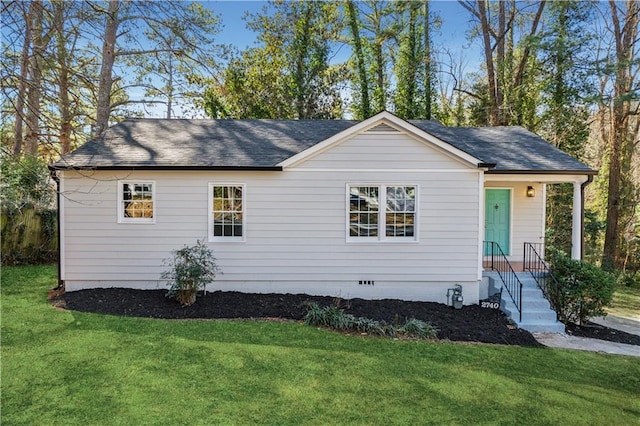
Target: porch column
<point x="576" y="228"/>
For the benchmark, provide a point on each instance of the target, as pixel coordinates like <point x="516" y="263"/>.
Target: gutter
<point x="589" y="173"/>
<point x="582" y="188"/>
<point x="173" y="168"/>
<point x="487" y="165"/>
<point x="56" y="179"/>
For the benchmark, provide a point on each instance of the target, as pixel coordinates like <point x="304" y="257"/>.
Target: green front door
<point x="497" y="217"/>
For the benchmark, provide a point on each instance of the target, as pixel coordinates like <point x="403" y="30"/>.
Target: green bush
<point x="25" y="183"/>
<point x="582" y="291"/>
<point x="189" y="270"/>
<point x="336" y="318"/>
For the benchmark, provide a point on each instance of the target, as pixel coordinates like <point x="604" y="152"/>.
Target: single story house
<point x="378" y="208"/>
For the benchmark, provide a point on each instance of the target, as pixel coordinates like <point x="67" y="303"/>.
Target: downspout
<point x="582" y="187"/>
<point x="56" y="179"/>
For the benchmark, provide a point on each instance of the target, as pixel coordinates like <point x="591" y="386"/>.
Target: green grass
<point x="73" y="368"/>
<point x="626" y="303"/>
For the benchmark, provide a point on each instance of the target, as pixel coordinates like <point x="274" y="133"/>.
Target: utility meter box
<point x="456" y="296"/>
<point x="457" y="300"/>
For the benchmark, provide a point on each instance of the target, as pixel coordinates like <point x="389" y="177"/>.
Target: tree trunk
<point x="103" y="110"/>
<point x="501" y="83"/>
<point x="620" y="139"/>
<point x="32" y="121"/>
<point x="427" y="62"/>
<point x="365" y="106"/>
<point x="63" y="77"/>
<point x="22" y="84"/>
<point x="380" y="95"/>
<point x="493" y="114"/>
<point x="170" y="87"/>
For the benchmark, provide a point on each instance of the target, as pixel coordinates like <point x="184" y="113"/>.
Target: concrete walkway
<point x="555" y="340"/>
<point x="631" y="326"/>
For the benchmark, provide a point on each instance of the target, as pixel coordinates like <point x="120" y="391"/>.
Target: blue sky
<point x="452" y="34"/>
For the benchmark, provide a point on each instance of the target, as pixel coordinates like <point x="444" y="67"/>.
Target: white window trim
<point x="137" y="220"/>
<point x="212" y="238"/>
<point x="382" y="234"/>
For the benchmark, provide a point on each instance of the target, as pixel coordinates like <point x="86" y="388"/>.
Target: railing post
<point x="493" y="253"/>
<point x="520" y="301"/>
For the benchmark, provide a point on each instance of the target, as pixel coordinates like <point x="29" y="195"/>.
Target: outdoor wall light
<point x="531" y="191"/>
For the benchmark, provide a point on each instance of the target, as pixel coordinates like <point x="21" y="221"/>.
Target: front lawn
<point x="61" y="367"/>
<point x="626" y="303"/>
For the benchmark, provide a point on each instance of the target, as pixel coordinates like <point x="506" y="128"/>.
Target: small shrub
<point x="419" y="329"/>
<point x="189" y="270"/>
<point x="314" y="315"/>
<point x="583" y="289"/>
<point x="336" y="318"/>
<point x="369" y="326"/>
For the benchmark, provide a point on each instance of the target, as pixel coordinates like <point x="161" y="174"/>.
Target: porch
<point x="514" y="212"/>
<point x="521" y="287"/>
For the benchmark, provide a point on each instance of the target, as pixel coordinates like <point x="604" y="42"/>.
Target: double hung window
<point x="382" y="212"/>
<point x="136" y="201"/>
<point x="226" y="212"/>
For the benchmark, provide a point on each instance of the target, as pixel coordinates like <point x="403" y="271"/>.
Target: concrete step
<point x="537" y="315"/>
<point x="536" y="327"/>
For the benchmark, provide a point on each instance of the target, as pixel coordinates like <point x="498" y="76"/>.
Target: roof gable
<point x="383" y="122"/>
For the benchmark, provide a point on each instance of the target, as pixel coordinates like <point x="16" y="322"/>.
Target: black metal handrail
<point x="502" y="266"/>
<point x="540" y="271"/>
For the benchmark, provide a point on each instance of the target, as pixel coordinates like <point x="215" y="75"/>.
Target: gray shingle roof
<point x="257" y="144"/>
<point x="510" y="148"/>
<point x="160" y="143"/>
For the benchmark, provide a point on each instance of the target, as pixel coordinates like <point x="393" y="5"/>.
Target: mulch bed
<point x="597" y="331"/>
<point x="469" y="324"/>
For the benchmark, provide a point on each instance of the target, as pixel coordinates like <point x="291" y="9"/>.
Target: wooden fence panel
<point x="29" y="236"/>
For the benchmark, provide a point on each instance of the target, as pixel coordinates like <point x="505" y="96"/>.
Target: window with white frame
<point x="382" y="212"/>
<point x="226" y="212"/>
<point x="136" y="201"/>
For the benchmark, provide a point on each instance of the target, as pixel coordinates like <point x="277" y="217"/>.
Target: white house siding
<point x="527" y="215"/>
<point x="373" y="150"/>
<point x="296" y="228"/>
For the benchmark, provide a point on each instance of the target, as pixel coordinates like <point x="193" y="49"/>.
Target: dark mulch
<point x="597" y="331"/>
<point x="469" y="324"/>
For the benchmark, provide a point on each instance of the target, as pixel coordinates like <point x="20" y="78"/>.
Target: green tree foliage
<point x="361" y="106"/>
<point x="25" y="183"/>
<point x="252" y="86"/>
<point x="413" y="94"/>
<point x="409" y="94"/>
<point x="373" y="33"/>
<point x="563" y="116"/>
<point x="289" y="75"/>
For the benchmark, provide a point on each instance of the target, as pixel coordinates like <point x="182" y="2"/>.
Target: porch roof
<point x="513" y="149"/>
